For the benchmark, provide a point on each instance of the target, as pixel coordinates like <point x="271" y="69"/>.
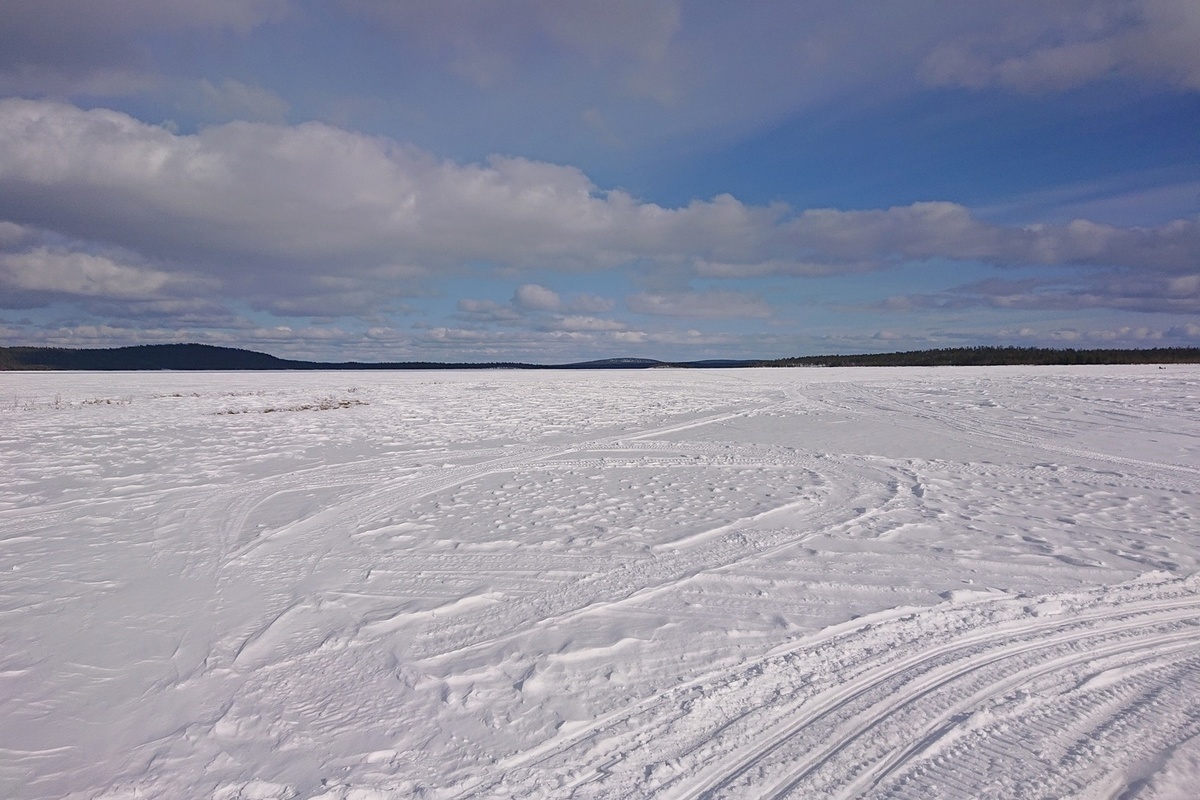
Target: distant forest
<point x="209" y="357"/>
<point x="997" y="356"/>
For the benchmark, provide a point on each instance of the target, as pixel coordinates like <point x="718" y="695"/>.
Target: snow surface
<point x="909" y="583"/>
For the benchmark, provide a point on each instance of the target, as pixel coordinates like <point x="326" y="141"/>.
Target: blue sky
<point x="550" y="181"/>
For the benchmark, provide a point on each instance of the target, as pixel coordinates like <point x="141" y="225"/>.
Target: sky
<point x="551" y="181"/>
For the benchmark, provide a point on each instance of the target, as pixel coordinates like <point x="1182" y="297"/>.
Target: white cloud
<point x="631" y="337"/>
<point x="1188" y="331"/>
<point x="12" y="234"/>
<point x="310" y="210"/>
<point x="532" y="297"/>
<point x="80" y="274"/>
<point x="456" y="335"/>
<point x="580" y="322"/>
<point x="947" y="230"/>
<point x="310" y="193"/>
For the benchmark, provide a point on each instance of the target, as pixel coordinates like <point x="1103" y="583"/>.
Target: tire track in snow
<point x="1088" y="742"/>
<point x="935" y="685"/>
<point x="912" y="677"/>
<point x="849" y="712"/>
<point x="1144" y="667"/>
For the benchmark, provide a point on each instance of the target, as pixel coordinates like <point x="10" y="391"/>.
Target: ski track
<point x="767" y="583"/>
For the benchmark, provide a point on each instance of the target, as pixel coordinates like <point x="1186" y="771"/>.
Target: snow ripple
<point x="683" y="584"/>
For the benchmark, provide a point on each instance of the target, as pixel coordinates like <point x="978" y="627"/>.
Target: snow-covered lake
<point x="908" y="583"/>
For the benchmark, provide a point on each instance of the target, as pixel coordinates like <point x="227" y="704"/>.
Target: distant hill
<point x="210" y="357"/>
<point x="617" y="363"/>
<point x="191" y="357"/>
<point x="145" y="357"/>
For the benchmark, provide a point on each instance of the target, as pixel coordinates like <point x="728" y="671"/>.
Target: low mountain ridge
<point x="201" y="357"/>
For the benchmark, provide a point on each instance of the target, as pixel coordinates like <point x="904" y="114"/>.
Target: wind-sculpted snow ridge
<point x="764" y="583"/>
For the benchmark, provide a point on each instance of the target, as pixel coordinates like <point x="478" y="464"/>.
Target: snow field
<point x="901" y="583"/>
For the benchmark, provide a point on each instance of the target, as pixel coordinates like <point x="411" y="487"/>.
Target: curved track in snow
<point x="986" y="694"/>
<point x="760" y="584"/>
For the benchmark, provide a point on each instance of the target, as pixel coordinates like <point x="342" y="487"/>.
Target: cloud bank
<point x="249" y="204"/>
<point x="226" y="227"/>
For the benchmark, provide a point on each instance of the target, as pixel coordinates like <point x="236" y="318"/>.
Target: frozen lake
<point x="903" y="583"/>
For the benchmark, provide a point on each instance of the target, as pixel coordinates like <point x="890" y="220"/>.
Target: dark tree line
<point x="209" y="357"/>
<point x="998" y="356"/>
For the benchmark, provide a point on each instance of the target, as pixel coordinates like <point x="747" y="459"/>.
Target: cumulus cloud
<point x="580" y="322"/>
<point x="444" y="334"/>
<point x="532" y="297"/>
<point x="315" y="194"/>
<point x="306" y="211"/>
<point x="937" y="229"/>
<point x="12" y="234"/>
<point x="79" y="274"/>
<point x="304" y="194"/>
<point x="1114" y="336"/>
<point x="529" y="306"/>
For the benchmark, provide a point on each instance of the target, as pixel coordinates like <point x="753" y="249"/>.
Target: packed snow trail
<point x="684" y="584"/>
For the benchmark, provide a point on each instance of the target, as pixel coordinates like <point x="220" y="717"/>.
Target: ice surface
<point x="907" y="583"/>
